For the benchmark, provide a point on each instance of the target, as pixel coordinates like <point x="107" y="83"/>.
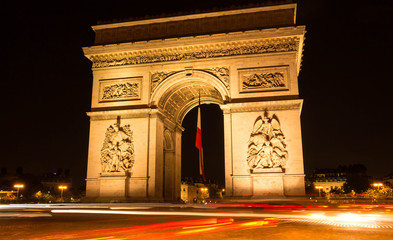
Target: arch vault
<point x="147" y="76"/>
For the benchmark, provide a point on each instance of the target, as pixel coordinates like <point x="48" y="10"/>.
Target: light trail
<point x="346" y="219"/>
<point x="177" y="213"/>
<point x="167" y="230"/>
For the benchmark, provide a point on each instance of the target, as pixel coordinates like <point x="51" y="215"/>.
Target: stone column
<point x="177" y="180"/>
<point x="169" y="165"/>
<point x="155" y="157"/>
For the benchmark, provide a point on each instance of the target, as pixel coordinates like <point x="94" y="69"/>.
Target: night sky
<point x="345" y="81"/>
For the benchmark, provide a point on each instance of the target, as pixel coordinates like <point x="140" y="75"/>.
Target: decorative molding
<point x="295" y="104"/>
<point x="111" y="115"/>
<point x="174" y="105"/>
<point x="168" y="140"/>
<point x="266" y="146"/>
<point x="222" y="73"/>
<point x="157" y="77"/>
<point x="274" y="45"/>
<point x="120" y="89"/>
<point x="263" y="79"/>
<point x="117" y="153"/>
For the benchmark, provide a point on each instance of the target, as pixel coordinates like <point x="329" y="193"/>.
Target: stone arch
<point x="178" y="93"/>
<point x="166" y="75"/>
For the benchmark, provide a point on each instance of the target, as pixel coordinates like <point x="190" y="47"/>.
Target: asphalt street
<point x="173" y="221"/>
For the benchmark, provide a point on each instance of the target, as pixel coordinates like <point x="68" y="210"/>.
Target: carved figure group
<point x="120" y="90"/>
<point x="117" y="153"/>
<point x="264" y="80"/>
<point x="283" y="45"/>
<point x="266" y="146"/>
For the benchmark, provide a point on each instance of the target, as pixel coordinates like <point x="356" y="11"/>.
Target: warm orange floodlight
<point x="319" y="189"/>
<point x="62" y="188"/>
<point x="18" y="186"/>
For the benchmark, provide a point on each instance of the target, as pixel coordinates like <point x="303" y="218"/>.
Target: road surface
<point x="177" y="221"/>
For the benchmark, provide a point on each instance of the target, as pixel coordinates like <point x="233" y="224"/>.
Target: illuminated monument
<point x="147" y="75"/>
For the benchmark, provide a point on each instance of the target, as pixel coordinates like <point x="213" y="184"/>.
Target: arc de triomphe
<point x="147" y="75"/>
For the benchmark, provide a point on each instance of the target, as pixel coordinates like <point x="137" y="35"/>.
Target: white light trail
<point x="176" y="213"/>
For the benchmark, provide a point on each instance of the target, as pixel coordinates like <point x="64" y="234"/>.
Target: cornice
<point x="135" y="113"/>
<point x="157" y="44"/>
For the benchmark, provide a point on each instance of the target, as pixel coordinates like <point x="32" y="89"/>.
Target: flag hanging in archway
<point x="198" y="144"/>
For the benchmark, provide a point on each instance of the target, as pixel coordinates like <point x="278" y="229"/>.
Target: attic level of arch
<point x="196" y="24"/>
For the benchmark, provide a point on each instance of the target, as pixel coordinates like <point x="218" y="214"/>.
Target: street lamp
<point x="62" y="188"/>
<point x="18" y="186"/>
<point x="319" y="190"/>
<point x="377" y="185"/>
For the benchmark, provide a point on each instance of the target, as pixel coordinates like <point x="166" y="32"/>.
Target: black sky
<point x="345" y="81"/>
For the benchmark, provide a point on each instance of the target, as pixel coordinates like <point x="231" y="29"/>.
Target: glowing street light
<point x="319" y="190"/>
<point x="18" y="186"/>
<point x="377" y="185"/>
<point x="62" y="188"/>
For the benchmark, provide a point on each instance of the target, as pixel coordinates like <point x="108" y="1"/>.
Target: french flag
<point x="198" y="144"/>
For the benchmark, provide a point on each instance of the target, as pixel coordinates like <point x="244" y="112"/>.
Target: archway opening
<point x="212" y="142"/>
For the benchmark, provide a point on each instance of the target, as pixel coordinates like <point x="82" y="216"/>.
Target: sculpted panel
<point x="120" y="89"/>
<point x="117" y="153"/>
<point x="266" y="146"/>
<point x="263" y="79"/>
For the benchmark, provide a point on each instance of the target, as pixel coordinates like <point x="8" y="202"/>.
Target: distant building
<point x="196" y="192"/>
<point x="188" y="192"/>
<point x="388" y="180"/>
<point x="51" y="181"/>
<point x="329" y="179"/>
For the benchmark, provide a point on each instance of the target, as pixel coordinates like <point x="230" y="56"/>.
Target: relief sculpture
<point x="266" y="146"/>
<point x="120" y="91"/>
<point x="263" y="80"/>
<point x="117" y="153"/>
<point x="197" y="52"/>
<point x="222" y="73"/>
